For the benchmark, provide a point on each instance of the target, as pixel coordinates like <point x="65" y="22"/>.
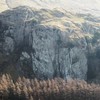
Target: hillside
<point x="45" y="39"/>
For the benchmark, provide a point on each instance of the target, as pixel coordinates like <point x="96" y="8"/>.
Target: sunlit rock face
<point x="45" y="43"/>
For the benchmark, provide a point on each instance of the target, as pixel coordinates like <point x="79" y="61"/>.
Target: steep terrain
<point x="45" y="43"/>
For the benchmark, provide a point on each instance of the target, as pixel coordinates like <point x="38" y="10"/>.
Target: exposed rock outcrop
<point x="42" y="44"/>
<point x="30" y="45"/>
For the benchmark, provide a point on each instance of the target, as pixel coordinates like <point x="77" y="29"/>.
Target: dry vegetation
<point x="55" y="89"/>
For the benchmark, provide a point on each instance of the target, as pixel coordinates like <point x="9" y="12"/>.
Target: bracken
<point x="55" y="89"/>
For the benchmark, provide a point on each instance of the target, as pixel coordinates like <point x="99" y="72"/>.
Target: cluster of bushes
<point x="54" y="89"/>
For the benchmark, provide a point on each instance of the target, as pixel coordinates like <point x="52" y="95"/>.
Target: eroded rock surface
<point x="42" y="44"/>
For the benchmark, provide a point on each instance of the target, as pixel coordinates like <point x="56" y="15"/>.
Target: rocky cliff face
<point x="45" y="43"/>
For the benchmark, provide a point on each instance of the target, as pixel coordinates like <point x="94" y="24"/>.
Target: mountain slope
<point x="41" y="42"/>
<point x="3" y="5"/>
<point x="86" y="6"/>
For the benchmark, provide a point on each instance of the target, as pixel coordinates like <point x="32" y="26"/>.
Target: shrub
<point x="55" y="89"/>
